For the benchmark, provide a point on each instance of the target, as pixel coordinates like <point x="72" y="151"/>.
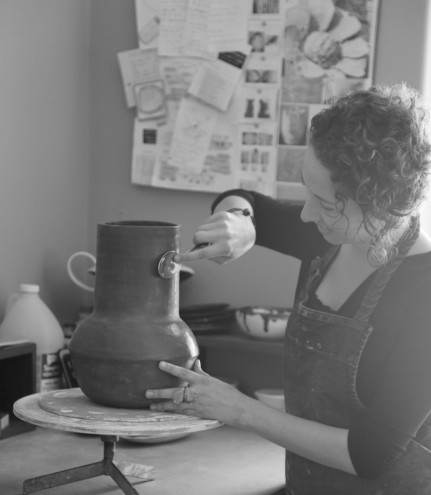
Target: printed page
<point x="216" y="81"/>
<point x="177" y="74"/>
<point x="146" y="150"/>
<point x="195" y="39"/>
<point x="220" y="166"/>
<point x="137" y="67"/>
<point x="173" y="16"/>
<point x="257" y="156"/>
<point x="192" y="135"/>
<point x="227" y="24"/>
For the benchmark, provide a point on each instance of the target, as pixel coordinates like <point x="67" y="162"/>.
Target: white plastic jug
<point x="28" y="317"/>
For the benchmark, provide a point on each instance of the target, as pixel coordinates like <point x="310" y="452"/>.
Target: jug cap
<point x="29" y="288"/>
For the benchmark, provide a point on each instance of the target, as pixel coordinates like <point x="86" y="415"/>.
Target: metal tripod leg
<point x="117" y="470"/>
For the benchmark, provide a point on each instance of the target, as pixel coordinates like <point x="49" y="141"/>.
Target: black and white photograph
<point x="216" y="247"/>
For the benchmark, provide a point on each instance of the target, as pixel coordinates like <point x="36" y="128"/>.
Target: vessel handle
<point x="72" y="275"/>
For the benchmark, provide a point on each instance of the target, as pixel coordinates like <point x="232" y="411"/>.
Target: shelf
<point x="240" y="343"/>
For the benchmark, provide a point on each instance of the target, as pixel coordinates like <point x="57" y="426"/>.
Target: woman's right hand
<point x="229" y="235"/>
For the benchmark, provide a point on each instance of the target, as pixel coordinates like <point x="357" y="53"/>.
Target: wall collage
<point x="224" y="90"/>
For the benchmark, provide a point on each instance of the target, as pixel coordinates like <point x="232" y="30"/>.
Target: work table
<point x="221" y="461"/>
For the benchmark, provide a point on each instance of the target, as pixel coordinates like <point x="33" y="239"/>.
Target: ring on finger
<point x="178" y="396"/>
<point x="189" y="395"/>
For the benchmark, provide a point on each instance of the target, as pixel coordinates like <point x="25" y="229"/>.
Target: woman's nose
<point x="309" y="211"/>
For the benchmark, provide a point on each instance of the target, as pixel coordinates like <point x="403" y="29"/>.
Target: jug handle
<point x="71" y="274"/>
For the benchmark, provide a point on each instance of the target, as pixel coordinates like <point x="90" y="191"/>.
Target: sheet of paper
<point x="192" y="135"/>
<point x="216" y="81"/>
<point x="137" y="67"/>
<point x="195" y="39"/>
<point x="227" y="24"/>
<point x="257" y="156"/>
<point x="177" y="74"/>
<point x="173" y="16"/>
<point x="145" y="151"/>
<point x="151" y="145"/>
<point x="220" y="169"/>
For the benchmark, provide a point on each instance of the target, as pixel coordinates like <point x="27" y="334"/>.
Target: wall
<point x="261" y="277"/>
<point x="66" y="156"/>
<point x="44" y="143"/>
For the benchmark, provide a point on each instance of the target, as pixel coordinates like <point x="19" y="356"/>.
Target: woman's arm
<point x="318" y="442"/>
<point x="215" y="399"/>
<point x="278" y="227"/>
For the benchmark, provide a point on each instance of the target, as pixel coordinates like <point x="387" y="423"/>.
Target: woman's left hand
<point x="203" y="396"/>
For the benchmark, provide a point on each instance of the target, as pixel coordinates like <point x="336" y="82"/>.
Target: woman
<point x="357" y="364"/>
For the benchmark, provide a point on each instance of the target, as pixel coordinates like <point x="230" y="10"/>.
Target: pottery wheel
<point x="74" y="404"/>
<point x="71" y="410"/>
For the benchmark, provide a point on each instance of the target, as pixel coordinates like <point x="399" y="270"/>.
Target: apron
<point x="322" y="353"/>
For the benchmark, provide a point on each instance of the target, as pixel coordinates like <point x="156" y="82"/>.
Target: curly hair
<point x="376" y="144"/>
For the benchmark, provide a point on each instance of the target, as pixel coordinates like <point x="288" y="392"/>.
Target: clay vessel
<point x="135" y="323"/>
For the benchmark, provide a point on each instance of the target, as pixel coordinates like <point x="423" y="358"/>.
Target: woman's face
<point x="321" y="207"/>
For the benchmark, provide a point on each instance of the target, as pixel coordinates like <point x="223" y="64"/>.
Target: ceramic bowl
<point x="263" y="322"/>
<point x="273" y="397"/>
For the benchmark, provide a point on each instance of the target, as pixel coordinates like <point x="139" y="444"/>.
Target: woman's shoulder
<point x="422" y="245"/>
<point x="413" y="279"/>
<point x="419" y="263"/>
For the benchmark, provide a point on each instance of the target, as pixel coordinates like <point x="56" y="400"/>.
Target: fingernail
<point x="149" y="394"/>
<point x="177" y="258"/>
<point x="162" y="364"/>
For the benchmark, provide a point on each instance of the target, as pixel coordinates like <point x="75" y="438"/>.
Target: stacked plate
<point x="208" y="318"/>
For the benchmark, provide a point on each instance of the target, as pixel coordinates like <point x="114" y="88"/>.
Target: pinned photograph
<point x="265" y="37"/>
<point x="259" y="105"/>
<point x="290" y="160"/>
<point x="331" y="41"/>
<point x="266" y="7"/>
<point x="293" y="125"/>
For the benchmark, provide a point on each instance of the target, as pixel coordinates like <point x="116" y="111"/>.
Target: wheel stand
<point x="117" y="470"/>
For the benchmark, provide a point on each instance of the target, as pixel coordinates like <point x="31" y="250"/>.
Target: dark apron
<point x="322" y="353"/>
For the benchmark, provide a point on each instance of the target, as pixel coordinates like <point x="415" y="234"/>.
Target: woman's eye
<point x="327" y="206"/>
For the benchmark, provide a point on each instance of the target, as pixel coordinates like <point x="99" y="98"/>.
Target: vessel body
<point x="135" y="323"/>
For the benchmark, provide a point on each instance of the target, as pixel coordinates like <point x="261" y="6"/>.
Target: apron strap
<point x="315" y="271"/>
